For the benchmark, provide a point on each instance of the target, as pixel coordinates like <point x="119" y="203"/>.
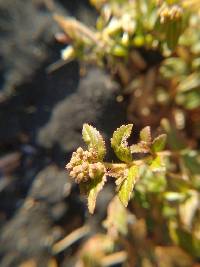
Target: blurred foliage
<point x="152" y="48"/>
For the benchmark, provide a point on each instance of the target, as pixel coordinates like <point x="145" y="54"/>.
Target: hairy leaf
<point x="140" y="148"/>
<point x="119" y="143"/>
<point x="120" y="179"/>
<point x="94" y="187"/>
<point x="94" y="140"/>
<point x="159" y="143"/>
<point x="145" y="134"/>
<point x="116" y="171"/>
<point x="126" y="188"/>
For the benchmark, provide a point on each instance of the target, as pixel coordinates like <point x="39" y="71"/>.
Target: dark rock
<point x="26" y="235"/>
<point x="25" y="31"/>
<point x="94" y="102"/>
<point x="51" y="185"/>
<point x="30" y="233"/>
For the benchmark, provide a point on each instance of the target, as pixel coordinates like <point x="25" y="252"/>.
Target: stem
<point x="126" y="165"/>
<point x="115" y="165"/>
<point x="73" y="25"/>
<point x="113" y="259"/>
<point x="70" y="239"/>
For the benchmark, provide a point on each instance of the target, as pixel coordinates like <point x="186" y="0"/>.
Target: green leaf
<point x="189" y="242"/>
<point x="191" y="82"/>
<point x="191" y="162"/>
<point x="126" y="188"/>
<point x="94" y="187"/>
<point x="153" y="182"/>
<point x="94" y="140"/>
<point x="185" y="239"/>
<point x="157" y="165"/>
<point x="145" y="134"/>
<point x="174" y="196"/>
<point x="173" y="32"/>
<point x="159" y="143"/>
<point x="119" y="143"/>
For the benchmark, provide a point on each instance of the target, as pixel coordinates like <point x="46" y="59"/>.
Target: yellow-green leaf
<point x="159" y="143"/>
<point x="145" y="134"/>
<point x="175" y="196"/>
<point x="94" y="140"/>
<point x="126" y="188"/>
<point x="119" y="143"/>
<point x="158" y="164"/>
<point x="94" y="187"/>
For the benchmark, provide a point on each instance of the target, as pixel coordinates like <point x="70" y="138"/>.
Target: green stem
<point x="115" y="167"/>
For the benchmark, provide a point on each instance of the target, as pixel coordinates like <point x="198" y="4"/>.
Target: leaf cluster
<point x="91" y="172"/>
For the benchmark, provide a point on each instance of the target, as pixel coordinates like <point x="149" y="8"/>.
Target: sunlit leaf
<point x="188" y="209"/>
<point x="94" y="140"/>
<point x="154" y="182"/>
<point x="159" y="143"/>
<point x="140" y="148"/>
<point x="93" y="189"/>
<point x="145" y="134"/>
<point x="174" y="196"/>
<point x="126" y="188"/>
<point x="119" y="143"/>
<point x="189" y="83"/>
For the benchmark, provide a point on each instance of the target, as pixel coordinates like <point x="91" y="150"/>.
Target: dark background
<point x="41" y="117"/>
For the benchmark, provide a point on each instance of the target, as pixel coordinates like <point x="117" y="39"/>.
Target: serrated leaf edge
<point x="101" y="152"/>
<point x="156" y="140"/>
<point x="125" y="203"/>
<point x="126" y="135"/>
<point x="143" y="132"/>
<point x="92" y="204"/>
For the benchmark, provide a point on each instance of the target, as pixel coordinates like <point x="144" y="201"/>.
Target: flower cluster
<point x="166" y="13"/>
<point x="84" y="165"/>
